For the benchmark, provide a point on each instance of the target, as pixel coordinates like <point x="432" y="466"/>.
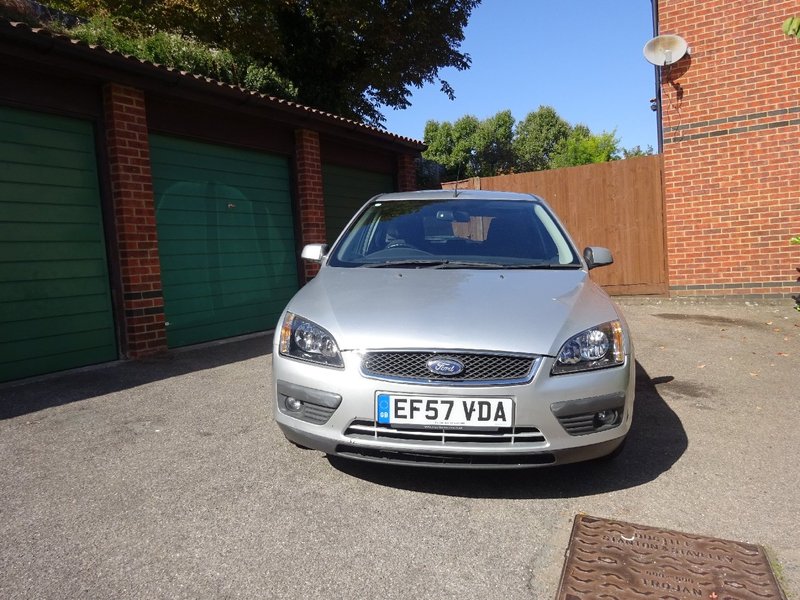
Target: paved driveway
<point x="167" y="478"/>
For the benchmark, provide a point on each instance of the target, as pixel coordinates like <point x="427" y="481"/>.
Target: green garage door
<point x="55" y="302"/>
<point x="225" y="238"/>
<point x="345" y="191"/>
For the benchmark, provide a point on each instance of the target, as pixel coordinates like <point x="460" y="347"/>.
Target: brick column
<point x="134" y="213"/>
<point x="406" y="173"/>
<point x="310" y="199"/>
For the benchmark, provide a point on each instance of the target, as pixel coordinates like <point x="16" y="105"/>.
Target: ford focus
<point x="456" y="329"/>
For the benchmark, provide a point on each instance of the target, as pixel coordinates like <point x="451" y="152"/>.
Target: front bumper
<point x="341" y="416"/>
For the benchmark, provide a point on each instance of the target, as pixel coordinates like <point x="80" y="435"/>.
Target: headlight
<point x="595" y="348"/>
<point x="302" y="339"/>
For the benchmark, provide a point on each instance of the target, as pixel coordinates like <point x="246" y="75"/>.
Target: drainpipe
<point x="654" y="6"/>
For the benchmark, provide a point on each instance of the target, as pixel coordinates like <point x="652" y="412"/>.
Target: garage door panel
<point x="235" y="292"/>
<point x="200" y="204"/>
<point x="46" y="308"/>
<point x="232" y="187"/>
<point x="226" y="238"/>
<point x="203" y="326"/>
<point x="48" y="232"/>
<point x="346" y="190"/>
<point x="181" y="262"/>
<point x="37" y="130"/>
<point x="224" y="163"/>
<point x="22" y="212"/>
<point x="20" y="251"/>
<point x="65" y="176"/>
<point x="50" y="346"/>
<point x="55" y="300"/>
<point x="245" y="216"/>
<point x="40" y="328"/>
<point x="74" y="287"/>
<point x="39" y="193"/>
<point x="180" y="250"/>
<point x="16" y="272"/>
<point x="39" y="155"/>
<point x="191" y="275"/>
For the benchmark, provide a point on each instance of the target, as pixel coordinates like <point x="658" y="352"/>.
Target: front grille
<point x="478" y="368"/>
<point x="370" y="430"/>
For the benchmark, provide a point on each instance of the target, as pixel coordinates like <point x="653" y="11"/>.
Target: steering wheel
<point x="399" y="244"/>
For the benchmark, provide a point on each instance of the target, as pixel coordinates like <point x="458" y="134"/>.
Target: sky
<point x="582" y="57"/>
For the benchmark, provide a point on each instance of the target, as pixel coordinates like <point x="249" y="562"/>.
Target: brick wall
<point x="310" y="198"/>
<point x="731" y="119"/>
<point x="406" y="173"/>
<point x="134" y="215"/>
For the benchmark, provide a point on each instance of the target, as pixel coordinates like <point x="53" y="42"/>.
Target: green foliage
<point x="795" y="240"/>
<point x="582" y="147"/>
<point x="543" y="140"/>
<point x="349" y="57"/>
<point x="183" y="53"/>
<point x="537" y="137"/>
<point x="637" y="151"/>
<point x="493" y="145"/>
<point x="791" y="26"/>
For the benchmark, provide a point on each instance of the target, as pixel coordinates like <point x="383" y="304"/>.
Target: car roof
<point x="459" y="194"/>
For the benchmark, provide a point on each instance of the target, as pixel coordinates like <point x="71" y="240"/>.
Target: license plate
<point x="444" y="411"/>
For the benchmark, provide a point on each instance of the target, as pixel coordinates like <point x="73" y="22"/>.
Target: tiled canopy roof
<point x="89" y="52"/>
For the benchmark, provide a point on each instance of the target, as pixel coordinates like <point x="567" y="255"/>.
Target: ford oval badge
<point x="445" y="366"/>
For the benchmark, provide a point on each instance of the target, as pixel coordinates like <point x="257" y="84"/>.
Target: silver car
<point x="456" y="329"/>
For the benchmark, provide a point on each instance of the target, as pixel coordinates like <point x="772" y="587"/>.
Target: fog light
<point x="606" y="417"/>
<point x="293" y="404"/>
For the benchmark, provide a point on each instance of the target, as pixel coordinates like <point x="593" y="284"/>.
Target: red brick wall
<point x="731" y="121"/>
<point x="406" y="173"/>
<point x="134" y="214"/>
<point x="310" y="199"/>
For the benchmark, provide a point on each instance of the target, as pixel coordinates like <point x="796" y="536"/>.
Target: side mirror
<point x="597" y="256"/>
<point x="314" y="252"/>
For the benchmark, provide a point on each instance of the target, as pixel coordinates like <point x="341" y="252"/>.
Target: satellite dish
<point x="665" y="50"/>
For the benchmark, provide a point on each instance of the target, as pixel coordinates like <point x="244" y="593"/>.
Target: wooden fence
<point x="617" y="204"/>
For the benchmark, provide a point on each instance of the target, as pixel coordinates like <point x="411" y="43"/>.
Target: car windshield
<point x="455" y="234"/>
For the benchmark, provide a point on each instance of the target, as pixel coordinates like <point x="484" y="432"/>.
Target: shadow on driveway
<point x="655" y="443"/>
<point x="24" y="397"/>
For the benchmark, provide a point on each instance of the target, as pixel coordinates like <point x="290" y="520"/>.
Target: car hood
<point x="524" y="311"/>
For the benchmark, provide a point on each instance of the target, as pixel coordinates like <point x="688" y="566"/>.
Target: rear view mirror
<point x="314" y="252"/>
<point x="457" y="216"/>
<point x="597" y="256"/>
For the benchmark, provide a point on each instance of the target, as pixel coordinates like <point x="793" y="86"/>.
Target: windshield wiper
<point x="470" y="264"/>
<point x="441" y="263"/>
<point x="457" y="264"/>
<point x="543" y="266"/>
<point x="416" y="263"/>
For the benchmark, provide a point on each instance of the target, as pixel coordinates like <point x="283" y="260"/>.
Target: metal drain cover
<point x="612" y="560"/>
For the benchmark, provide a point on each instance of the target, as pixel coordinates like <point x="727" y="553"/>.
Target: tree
<point x="493" y="146"/>
<point x="537" y="137"/>
<point x="349" y="57"/>
<point x="471" y="147"/>
<point x="637" y="151"/>
<point x="582" y="147"/>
